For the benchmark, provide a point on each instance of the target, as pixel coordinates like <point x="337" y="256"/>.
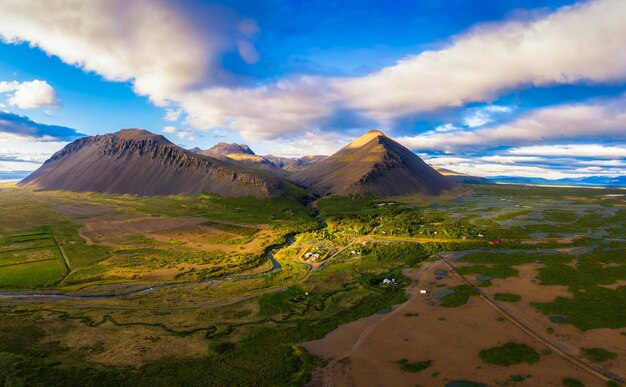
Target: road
<point x="601" y="373"/>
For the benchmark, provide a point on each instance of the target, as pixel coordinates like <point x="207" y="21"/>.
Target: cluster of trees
<point x="401" y="221"/>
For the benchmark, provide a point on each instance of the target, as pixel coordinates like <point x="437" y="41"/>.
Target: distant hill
<point x="295" y="164"/>
<point x="224" y="149"/>
<point x="242" y="153"/>
<point x="461" y="178"/>
<point x="134" y="161"/>
<point x="372" y="163"/>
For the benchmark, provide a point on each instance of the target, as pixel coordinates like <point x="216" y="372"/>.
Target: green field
<point x="215" y="304"/>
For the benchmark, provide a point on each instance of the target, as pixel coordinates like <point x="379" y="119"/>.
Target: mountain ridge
<point x="135" y="161"/>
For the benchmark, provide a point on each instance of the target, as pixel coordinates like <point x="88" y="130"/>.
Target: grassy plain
<point x="211" y="303"/>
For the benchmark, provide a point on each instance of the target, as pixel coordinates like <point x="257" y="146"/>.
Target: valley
<point x="132" y="290"/>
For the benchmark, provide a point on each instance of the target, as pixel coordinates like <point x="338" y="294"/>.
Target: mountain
<point x="461" y="178"/>
<point x="238" y="153"/>
<point x="372" y="163"/>
<point x="242" y="153"/>
<point x="224" y="149"/>
<point x="134" y="161"/>
<point x="295" y="164"/>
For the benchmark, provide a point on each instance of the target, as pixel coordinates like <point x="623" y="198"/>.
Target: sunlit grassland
<point x="238" y="232"/>
<point x="256" y="323"/>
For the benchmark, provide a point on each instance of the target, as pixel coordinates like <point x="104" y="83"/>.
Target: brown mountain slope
<point x="134" y="161"/>
<point x="372" y="163"/>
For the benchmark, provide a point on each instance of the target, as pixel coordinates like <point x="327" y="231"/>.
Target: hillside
<point x="372" y="163"/>
<point x="134" y="161"/>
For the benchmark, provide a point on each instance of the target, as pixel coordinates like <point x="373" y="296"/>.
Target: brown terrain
<point x="372" y="163"/>
<point x="365" y="352"/>
<point x="138" y="162"/>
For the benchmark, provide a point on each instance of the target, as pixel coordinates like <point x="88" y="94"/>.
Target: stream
<point x="276" y="266"/>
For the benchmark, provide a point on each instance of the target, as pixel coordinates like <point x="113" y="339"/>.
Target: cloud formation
<point x="13" y="126"/>
<point x="160" y="48"/>
<point x="30" y="94"/>
<point x="577" y="121"/>
<point x="474" y="67"/>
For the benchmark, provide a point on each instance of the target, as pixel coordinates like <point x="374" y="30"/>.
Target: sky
<point x="531" y="88"/>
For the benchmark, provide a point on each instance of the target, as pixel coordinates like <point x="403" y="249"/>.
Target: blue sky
<point x="521" y="87"/>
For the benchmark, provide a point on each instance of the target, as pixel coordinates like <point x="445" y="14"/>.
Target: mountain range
<point x="135" y="161"/>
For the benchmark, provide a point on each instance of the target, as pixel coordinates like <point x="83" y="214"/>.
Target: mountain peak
<point x="367" y="137"/>
<point x="134" y="134"/>
<point x="376" y="164"/>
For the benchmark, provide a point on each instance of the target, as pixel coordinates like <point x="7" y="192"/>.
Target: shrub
<point x="509" y="354"/>
<point x="413" y="367"/>
<point x="598" y="354"/>
<point x="507" y="297"/>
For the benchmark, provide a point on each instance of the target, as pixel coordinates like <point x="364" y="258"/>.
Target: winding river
<point x="276" y="266"/>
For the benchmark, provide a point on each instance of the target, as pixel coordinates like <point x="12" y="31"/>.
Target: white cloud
<point x="573" y="150"/>
<point x="476" y="167"/>
<point x="309" y="143"/>
<point x="265" y="112"/>
<point x="152" y="43"/>
<point x="475" y="66"/>
<point x="183" y="134"/>
<point x="172" y="114"/>
<point x="23" y="153"/>
<point x="447" y="128"/>
<point x="482" y="116"/>
<point x="186" y="134"/>
<point x="30" y="95"/>
<point x="570" y="121"/>
<point x="523" y="167"/>
<point x="509" y="159"/>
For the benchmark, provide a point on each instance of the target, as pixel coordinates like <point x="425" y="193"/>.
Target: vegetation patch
<point x="461" y="295"/>
<point x="418" y="366"/>
<point x="494" y="271"/>
<point x="509" y="354"/>
<point x="570" y="382"/>
<point x="507" y="297"/>
<point x="598" y="354"/>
